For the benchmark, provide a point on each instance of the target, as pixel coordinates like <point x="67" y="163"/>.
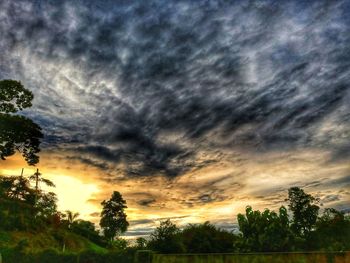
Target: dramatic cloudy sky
<point x="191" y="109"/>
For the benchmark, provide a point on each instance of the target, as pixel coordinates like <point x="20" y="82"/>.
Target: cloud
<point x="331" y="198"/>
<point x="150" y="85"/>
<point x="146" y="202"/>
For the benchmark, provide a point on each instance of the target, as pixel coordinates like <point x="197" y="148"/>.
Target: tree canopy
<point x="17" y="132"/>
<point x="113" y="218"/>
<point x="304" y="209"/>
<point x="265" y="231"/>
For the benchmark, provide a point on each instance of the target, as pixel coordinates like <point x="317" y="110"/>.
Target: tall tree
<point x="17" y="132"/>
<point x="113" y="218"/>
<point x="37" y="178"/>
<point x="304" y="209"/>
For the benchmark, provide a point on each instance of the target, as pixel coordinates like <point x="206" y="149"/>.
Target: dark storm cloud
<point x="152" y="83"/>
<point x="146" y="202"/>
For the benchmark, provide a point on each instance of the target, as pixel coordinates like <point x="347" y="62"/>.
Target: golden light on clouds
<point x="216" y="192"/>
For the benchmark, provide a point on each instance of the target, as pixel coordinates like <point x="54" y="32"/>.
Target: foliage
<point x="266" y="231"/>
<point x="113" y="218"/>
<point x="206" y="238"/>
<point x="141" y="243"/>
<point x="17" y="132"/>
<point x="166" y="238"/>
<point x="332" y="232"/>
<point x="87" y="229"/>
<point x="46" y="204"/>
<point x="33" y="212"/>
<point x="17" y="202"/>
<point x="16" y="188"/>
<point x="304" y="209"/>
<point x="119" y="244"/>
<point x="71" y="217"/>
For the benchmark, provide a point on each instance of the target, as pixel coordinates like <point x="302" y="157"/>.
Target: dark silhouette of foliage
<point x="166" y="238"/>
<point x="304" y="209"/>
<point x="88" y="230"/>
<point x="206" y="238"/>
<point x="113" y="218"/>
<point x="17" y="132"/>
<point x="17" y="188"/>
<point x="265" y="231"/>
<point x="46" y="204"/>
<point x="71" y="217"/>
<point x="21" y="206"/>
<point x="332" y="232"/>
<point x="141" y="243"/>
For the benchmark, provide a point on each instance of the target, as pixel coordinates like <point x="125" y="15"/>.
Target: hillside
<point x="49" y="239"/>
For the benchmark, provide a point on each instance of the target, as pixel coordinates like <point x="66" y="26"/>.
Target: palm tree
<point x="71" y="217"/>
<point x="37" y="178"/>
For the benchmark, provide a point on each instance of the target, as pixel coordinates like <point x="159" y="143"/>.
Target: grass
<point x="48" y="239"/>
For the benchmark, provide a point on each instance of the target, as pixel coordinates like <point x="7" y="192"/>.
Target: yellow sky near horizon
<point x="216" y="193"/>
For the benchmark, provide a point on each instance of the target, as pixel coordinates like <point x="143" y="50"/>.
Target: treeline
<point x="25" y="207"/>
<point x="299" y="228"/>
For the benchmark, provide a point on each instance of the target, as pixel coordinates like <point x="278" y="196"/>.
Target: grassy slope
<point x="36" y="242"/>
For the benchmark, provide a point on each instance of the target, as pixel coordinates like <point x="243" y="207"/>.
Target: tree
<point x="71" y="217"/>
<point x="206" y="238"/>
<point x="17" y="187"/>
<point x="17" y="132"/>
<point x="45" y="203"/>
<point x="265" y="231"/>
<point x="37" y="178"/>
<point x="166" y="238"/>
<point x="113" y="218"/>
<point x="332" y="232"/>
<point x="304" y="209"/>
<point x="21" y="207"/>
<point x="141" y="243"/>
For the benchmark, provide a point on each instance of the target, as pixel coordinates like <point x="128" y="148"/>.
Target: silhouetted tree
<point x="17" y="132"/>
<point x="304" y="209"/>
<point x="113" y="218"/>
<point x="166" y="238"/>
<point x="141" y="243"/>
<point x="71" y="217"/>
<point x="37" y="178"/>
<point x="265" y="231"/>
<point x="18" y="206"/>
<point x="46" y="203"/>
<point x="206" y="238"/>
<point x="332" y="232"/>
<point x="17" y="187"/>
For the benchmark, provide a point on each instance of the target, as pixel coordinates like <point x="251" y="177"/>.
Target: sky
<point x="192" y="110"/>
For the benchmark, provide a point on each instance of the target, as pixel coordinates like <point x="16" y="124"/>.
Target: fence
<point x="312" y="257"/>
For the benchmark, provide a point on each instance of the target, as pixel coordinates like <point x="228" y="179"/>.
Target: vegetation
<point x="30" y="224"/>
<point x="113" y="218"/>
<point x="17" y="132"/>
<point x="266" y="231"/>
